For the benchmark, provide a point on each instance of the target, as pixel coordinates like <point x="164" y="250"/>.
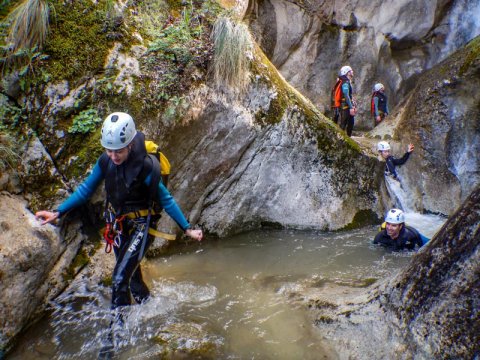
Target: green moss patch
<point x="78" y="263"/>
<point x="78" y="42"/>
<point x="363" y="218"/>
<point x="474" y="53"/>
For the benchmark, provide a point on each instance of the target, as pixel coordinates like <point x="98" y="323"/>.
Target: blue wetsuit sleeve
<point x="424" y="239"/>
<point x="168" y="203"/>
<point x="386" y="109"/>
<point x="375" y="107"/>
<point x="84" y="191"/>
<point x="346" y="94"/>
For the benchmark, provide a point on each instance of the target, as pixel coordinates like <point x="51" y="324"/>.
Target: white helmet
<point x="118" y="131"/>
<point x="378" y="87"/>
<point x="345" y="70"/>
<point x="383" y="146"/>
<point x="395" y="216"/>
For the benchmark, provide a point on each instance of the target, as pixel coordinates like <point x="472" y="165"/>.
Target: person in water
<point x="135" y="198"/>
<point x="392" y="162"/>
<point x="398" y="236"/>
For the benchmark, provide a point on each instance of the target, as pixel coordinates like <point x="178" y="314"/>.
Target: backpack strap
<point x="154" y="181"/>
<point x="103" y="162"/>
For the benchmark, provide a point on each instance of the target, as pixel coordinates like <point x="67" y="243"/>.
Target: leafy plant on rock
<point x="85" y="122"/>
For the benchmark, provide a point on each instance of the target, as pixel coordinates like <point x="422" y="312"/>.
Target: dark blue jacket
<point x="392" y="162"/>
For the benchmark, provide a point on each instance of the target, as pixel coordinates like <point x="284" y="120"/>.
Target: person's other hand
<point x="47" y="216"/>
<point x="352" y="112"/>
<point x="195" y="234"/>
<point x="378" y="119"/>
<point x="410" y="148"/>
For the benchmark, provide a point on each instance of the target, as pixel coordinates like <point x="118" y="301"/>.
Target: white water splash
<point x="82" y="318"/>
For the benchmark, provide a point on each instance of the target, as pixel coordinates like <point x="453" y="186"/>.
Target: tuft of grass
<point x="232" y="46"/>
<point x="29" y="27"/>
<point x="25" y="31"/>
<point x="9" y="157"/>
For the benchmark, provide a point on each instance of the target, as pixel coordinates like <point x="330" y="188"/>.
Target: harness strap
<point x="154" y="232"/>
<point x="154" y="182"/>
<point x="159" y="234"/>
<point x="139" y="213"/>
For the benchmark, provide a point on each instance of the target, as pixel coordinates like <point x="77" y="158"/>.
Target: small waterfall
<point x="463" y="25"/>
<point x="402" y="199"/>
<point x="428" y="225"/>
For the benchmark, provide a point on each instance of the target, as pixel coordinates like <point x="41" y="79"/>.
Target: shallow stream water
<point x="233" y="291"/>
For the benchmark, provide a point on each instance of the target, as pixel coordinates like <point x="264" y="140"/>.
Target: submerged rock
<point x="187" y="341"/>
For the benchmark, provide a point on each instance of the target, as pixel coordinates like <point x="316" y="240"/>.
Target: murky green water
<point x="235" y="292"/>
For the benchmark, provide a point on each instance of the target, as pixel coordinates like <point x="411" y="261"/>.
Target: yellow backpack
<point x="165" y="166"/>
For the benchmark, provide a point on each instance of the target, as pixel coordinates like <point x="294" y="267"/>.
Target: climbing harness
<point x="114" y="230"/>
<point x="114" y="227"/>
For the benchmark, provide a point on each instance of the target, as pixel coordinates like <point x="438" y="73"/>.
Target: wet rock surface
<point x="441" y="117"/>
<point x="33" y="263"/>
<point x="309" y="42"/>
<point x="429" y="310"/>
<point x="437" y="297"/>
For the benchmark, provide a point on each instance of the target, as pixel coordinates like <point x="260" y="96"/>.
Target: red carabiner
<point x="109" y="236"/>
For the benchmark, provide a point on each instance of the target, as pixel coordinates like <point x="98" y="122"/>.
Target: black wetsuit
<point x="407" y="239"/>
<point x="130" y="187"/>
<point x="126" y="192"/>
<point x="392" y="162"/>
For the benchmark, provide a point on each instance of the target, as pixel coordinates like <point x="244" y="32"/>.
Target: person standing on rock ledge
<point x="348" y="107"/>
<point x="135" y="198"/>
<point x="398" y="236"/>
<point x="379" y="106"/>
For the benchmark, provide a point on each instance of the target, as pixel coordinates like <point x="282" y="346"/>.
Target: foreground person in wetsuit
<point x="397" y="235"/>
<point x="135" y="198"/>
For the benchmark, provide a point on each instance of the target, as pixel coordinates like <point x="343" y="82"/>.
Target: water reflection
<point x="239" y="296"/>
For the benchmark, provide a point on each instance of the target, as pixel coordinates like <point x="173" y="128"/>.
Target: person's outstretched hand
<point x="195" y="234"/>
<point x="47" y="216"/>
<point x="410" y="148"/>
